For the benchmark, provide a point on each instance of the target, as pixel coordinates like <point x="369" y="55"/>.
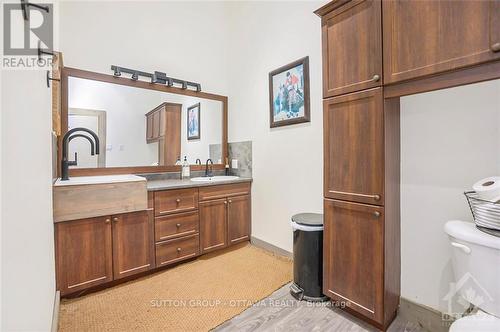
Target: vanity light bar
<point x="157" y="77"/>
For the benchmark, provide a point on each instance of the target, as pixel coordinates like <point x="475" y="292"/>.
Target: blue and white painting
<point x="193" y="125"/>
<point x="288" y="93"/>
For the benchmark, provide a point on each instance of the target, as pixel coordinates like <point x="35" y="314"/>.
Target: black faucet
<point x="209" y="173"/>
<point x="198" y="161"/>
<point x="68" y="137"/>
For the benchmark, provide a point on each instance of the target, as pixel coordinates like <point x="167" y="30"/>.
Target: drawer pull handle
<point x="178" y="225"/>
<point x="375" y="197"/>
<point x="178" y="200"/>
<point x="179" y="249"/>
<point x="376" y="78"/>
<point x="495" y="47"/>
<point x="376" y="214"/>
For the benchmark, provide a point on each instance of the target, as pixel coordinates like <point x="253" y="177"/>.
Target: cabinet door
<point x="149" y="127"/>
<point x="83" y="253"/>
<point x="238" y="219"/>
<point x="354" y="147"/>
<point x="156" y="124"/>
<point x="427" y="37"/>
<point x="213" y="224"/>
<point x="352" y="47"/>
<point x="353" y="256"/>
<point x="133" y="243"/>
<point x="162" y="123"/>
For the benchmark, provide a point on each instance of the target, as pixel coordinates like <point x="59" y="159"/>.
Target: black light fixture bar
<point x="157" y="77"/>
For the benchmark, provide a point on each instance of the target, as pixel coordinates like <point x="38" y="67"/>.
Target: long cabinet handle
<point x="375" y="196"/>
<point x="495" y="47"/>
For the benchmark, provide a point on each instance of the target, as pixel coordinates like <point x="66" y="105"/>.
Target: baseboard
<point x="55" y="313"/>
<point x="428" y="318"/>
<point x="270" y="247"/>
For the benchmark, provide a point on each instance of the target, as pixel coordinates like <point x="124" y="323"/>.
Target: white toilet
<point x="476" y="264"/>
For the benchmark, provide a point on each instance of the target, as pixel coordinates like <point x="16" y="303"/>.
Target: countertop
<point x="99" y="179"/>
<point x="155" y="185"/>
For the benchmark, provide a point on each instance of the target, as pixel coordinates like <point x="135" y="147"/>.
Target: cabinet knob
<point x="115" y="219"/>
<point x="230" y="201"/>
<point x="495" y="47"/>
<point x="225" y="202"/>
<point x="178" y="200"/>
<point x="376" y="197"/>
<point x="376" y="214"/>
<point x="107" y="221"/>
<point x="178" y="225"/>
<point x="179" y="249"/>
<point x="376" y="78"/>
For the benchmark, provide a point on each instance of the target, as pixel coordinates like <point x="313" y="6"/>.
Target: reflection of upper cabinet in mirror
<point x="140" y="127"/>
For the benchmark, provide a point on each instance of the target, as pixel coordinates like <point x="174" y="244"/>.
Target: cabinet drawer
<point x="175" y="225"/>
<point x="172" y="201"/>
<point x="222" y="191"/>
<point x="172" y="251"/>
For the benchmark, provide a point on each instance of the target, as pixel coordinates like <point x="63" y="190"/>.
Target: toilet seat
<point x="478" y="322"/>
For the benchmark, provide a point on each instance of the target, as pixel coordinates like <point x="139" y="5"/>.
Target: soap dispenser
<point x="186" y="170"/>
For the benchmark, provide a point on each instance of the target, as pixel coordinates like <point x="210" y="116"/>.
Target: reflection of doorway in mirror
<point x="94" y="120"/>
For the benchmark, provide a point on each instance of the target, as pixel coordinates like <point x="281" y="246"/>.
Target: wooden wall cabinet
<point x="93" y="251"/>
<point x="354" y="256"/>
<point x="352" y="47"/>
<point x="354" y="147"/>
<point x="163" y="125"/>
<point x="428" y="37"/>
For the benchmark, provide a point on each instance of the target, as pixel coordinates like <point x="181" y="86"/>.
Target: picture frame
<point x="194" y="122"/>
<point x="289" y="95"/>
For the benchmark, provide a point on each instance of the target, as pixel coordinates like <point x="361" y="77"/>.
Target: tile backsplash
<point x="241" y="151"/>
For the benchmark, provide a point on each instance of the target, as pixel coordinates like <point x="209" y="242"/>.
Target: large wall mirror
<point x="142" y="127"/>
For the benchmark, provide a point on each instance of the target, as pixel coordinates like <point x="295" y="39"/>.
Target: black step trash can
<point x="307" y="257"/>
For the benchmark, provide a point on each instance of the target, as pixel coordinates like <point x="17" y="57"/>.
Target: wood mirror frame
<point x="78" y="73"/>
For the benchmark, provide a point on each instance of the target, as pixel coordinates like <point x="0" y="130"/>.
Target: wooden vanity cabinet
<point x="352" y="46"/>
<point x="428" y="37"/>
<point x="225" y="215"/>
<point x="213" y="225"/>
<point x="93" y="251"/>
<point x="133" y="250"/>
<point x="354" y="256"/>
<point x="83" y="253"/>
<point x="238" y="219"/>
<point x="175" y="201"/>
<point x="354" y="147"/>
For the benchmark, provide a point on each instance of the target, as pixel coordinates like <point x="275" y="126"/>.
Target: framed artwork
<point x="193" y="122"/>
<point x="289" y="94"/>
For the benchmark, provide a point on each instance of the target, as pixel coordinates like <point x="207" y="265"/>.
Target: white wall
<point x="185" y="39"/>
<point x="449" y="140"/>
<point x="287" y="161"/>
<point x="28" y="281"/>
